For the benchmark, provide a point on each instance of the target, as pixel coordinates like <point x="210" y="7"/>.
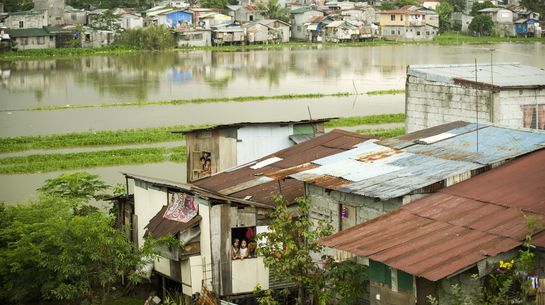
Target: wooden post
<point x="540" y="296"/>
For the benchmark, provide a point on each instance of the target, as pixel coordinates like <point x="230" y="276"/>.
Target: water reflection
<point x="201" y="74"/>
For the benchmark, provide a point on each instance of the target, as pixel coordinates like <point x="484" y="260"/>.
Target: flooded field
<point x="205" y="74"/>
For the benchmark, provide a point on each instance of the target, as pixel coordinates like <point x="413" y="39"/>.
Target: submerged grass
<point x="57" y="162"/>
<point x="383" y="132"/>
<point x="95" y="139"/>
<point x="367" y="120"/>
<point x="385" y="92"/>
<point x="149" y="135"/>
<point x="239" y="99"/>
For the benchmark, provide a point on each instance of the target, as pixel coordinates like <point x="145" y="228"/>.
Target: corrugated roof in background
<point x="389" y="169"/>
<point x="449" y="231"/>
<point x="264" y="182"/>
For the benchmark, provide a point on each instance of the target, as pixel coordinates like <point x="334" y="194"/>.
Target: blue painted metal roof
<point x="378" y="170"/>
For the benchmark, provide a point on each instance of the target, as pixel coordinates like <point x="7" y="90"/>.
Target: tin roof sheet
<point x="263" y="182"/>
<point x="389" y="169"/>
<point x="161" y="227"/>
<point x="239" y="124"/>
<point x="452" y="230"/>
<point x="507" y="75"/>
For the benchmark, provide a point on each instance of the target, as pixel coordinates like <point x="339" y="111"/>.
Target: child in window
<point x="235" y="249"/>
<point x="243" y="251"/>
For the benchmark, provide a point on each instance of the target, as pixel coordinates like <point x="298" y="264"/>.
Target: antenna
<point x="477" y="105"/>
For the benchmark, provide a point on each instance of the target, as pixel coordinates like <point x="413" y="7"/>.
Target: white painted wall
<point x="247" y="273"/>
<point x="148" y="201"/>
<point x="258" y="141"/>
<point x="162" y="265"/>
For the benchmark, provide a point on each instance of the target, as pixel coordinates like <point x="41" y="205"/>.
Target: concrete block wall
<point x="430" y="104"/>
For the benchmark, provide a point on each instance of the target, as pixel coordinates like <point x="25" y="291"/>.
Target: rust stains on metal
<point x="330" y="182"/>
<point x="242" y="182"/>
<point x="452" y="230"/>
<point x="374" y="156"/>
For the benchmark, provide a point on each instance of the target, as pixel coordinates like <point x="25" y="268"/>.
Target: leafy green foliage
<point x="382" y="132"/>
<point x="271" y="10"/>
<point x="347" y="282"/>
<point x="477" y="6"/>
<point x="444" y="9"/>
<point x="106" y="21"/>
<point x="79" y="186"/>
<point x="220" y="4"/>
<point x="289" y="244"/>
<point x="155" y="37"/>
<point x="17" y="5"/>
<point x="457" y="5"/>
<point x="49" y="253"/>
<point x="481" y="25"/>
<point x="393" y="4"/>
<point x="537" y="6"/>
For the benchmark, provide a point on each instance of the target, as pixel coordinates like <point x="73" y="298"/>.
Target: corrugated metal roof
<point x="257" y="124"/>
<point x="264" y="182"/>
<point x="500" y="75"/>
<point x="392" y="168"/>
<point x="161" y="227"/>
<point x="449" y="231"/>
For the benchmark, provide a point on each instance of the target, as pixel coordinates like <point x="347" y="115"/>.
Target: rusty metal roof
<point x="447" y="232"/>
<point x="161" y="227"/>
<point x="396" y="167"/>
<point x="240" y="124"/>
<point x="256" y="183"/>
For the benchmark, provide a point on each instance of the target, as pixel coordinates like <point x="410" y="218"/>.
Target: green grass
<point x="95" y="139"/>
<point x="71" y="161"/>
<point x="387" y="133"/>
<point x="367" y="120"/>
<point x="239" y="99"/>
<point x="126" y="300"/>
<point x="449" y="38"/>
<point x="384" y="92"/>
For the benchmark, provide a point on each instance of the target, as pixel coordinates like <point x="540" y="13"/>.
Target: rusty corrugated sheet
<point x="256" y="184"/>
<point x="161" y="227"/>
<point x="454" y="229"/>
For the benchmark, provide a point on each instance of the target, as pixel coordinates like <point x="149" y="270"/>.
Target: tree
<point x="477" y="6"/>
<point x="537" y="6"/>
<point x="106" y="21"/>
<point x="457" y="5"/>
<point x="17" y="5"/>
<point x="151" y="38"/>
<point x="220" y="4"/>
<point x="272" y="10"/>
<point x="79" y="186"/>
<point x="444" y="9"/>
<point x="481" y="25"/>
<point x="49" y="253"/>
<point x="289" y="244"/>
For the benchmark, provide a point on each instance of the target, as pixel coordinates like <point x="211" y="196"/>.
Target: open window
<point x="243" y="243"/>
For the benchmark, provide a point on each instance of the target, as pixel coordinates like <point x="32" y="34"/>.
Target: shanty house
<point x="232" y="34"/>
<point x="27" y="19"/>
<point x="426" y="246"/>
<point x="256" y="32"/>
<point x="215" y="149"/>
<point x="299" y="18"/>
<point x="511" y="95"/>
<point x="193" y="37"/>
<point x="279" y="31"/>
<point x="503" y="20"/>
<point x="376" y="177"/>
<point x="175" y="19"/>
<point x="74" y="16"/>
<point x="233" y="204"/>
<point x="32" y="38"/>
<point x="409" y="23"/>
<point x="340" y="30"/>
<point x="528" y="27"/>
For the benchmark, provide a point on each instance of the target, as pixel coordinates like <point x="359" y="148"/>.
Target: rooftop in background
<point x="501" y="75"/>
<point x="29" y="12"/>
<point x="411" y="163"/>
<point x="452" y="230"/>
<point x="260" y="180"/>
<point x="215" y="127"/>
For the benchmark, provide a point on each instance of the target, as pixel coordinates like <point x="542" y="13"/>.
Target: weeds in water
<point x="386" y="133"/>
<point x="385" y="92"/>
<point x="366" y="120"/>
<point x="57" y="162"/>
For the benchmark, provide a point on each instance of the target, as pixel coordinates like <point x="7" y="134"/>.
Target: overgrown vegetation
<point x="155" y="37"/>
<point x="367" y="120"/>
<point x="481" y="25"/>
<point x="383" y="132"/>
<point x="385" y="92"/>
<point x="239" y="99"/>
<point x="57" y="162"/>
<point x="51" y="252"/>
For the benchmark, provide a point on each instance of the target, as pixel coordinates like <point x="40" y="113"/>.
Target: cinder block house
<point x="511" y="95"/>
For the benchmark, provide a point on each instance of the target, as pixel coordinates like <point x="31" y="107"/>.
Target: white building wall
<point x="148" y="201"/>
<point x="29" y="21"/>
<point x="248" y="273"/>
<point x="258" y="141"/>
<point x="430" y="104"/>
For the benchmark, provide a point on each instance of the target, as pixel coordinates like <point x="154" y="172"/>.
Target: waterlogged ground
<point x="205" y="74"/>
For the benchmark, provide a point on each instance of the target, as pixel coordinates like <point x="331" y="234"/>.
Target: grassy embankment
<point x="449" y="38"/>
<point x="71" y="161"/>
